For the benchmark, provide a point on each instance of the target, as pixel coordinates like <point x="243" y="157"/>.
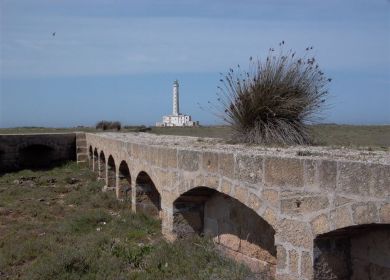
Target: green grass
<point x="52" y="229"/>
<point x="354" y="136"/>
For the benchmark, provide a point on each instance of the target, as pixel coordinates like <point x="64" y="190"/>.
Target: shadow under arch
<point x="90" y="157"/>
<point x="354" y="252"/>
<point x="124" y="184"/>
<point x="39" y="156"/>
<point x="148" y="199"/>
<point x="96" y="160"/>
<point x="236" y="229"/>
<point x="111" y="173"/>
<point x="102" y="166"/>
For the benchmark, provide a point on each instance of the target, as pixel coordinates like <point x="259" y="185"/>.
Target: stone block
<point x="310" y="174"/>
<point x="226" y="165"/>
<point x="295" y="232"/>
<point x="168" y="157"/>
<point x="341" y="217"/>
<point x="364" y="213"/>
<point x="284" y="172"/>
<point x="293" y="257"/>
<point x="306" y="265"/>
<point x="189" y="160"/>
<point x="327" y="174"/>
<point x="304" y="205"/>
<point x="341" y="200"/>
<point x="364" y="179"/>
<point x="271" y="196"/>
<point x="226" y="186"/>
<point x="281" y="257"/>
<point x="249" y="168"/>
<point x="255" y="251"/>
<point x="211" y="181"/>
<point x="270" y="217"/>
<point x="384" y="213"/>
<point x="254" y="202"/>
<point x="241" y="194"/>
<point x="210" y="162"/>
<point x="320" y="224"/>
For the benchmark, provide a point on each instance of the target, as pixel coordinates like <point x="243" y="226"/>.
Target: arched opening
<point x="148" y="199"/>
<point x="356" y="252"/>
<point x="90" y="157"/>
<point x="102" y="166"/>
<point x="111" y="173"/>
<point x="124" y="190"/>
<point x="236" y="229"/>
<point x="96" y="161"/>
<point x="37" y="156"/>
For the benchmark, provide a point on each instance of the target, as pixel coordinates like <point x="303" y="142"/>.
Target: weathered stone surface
<point x="281" y="257"/>
<point x="254" y="202"/>
<point x="310" y="174"/>
<point x="211" y="181"/>
<point x="284" y="172"/>
<point x="363" y="179"/>
<point x="320" y="224"/>
<point x="241" y="194"/>
<point x="341" y="200"/>
<point x="364" y="213"/>
<point x="226" y="186"/>
<point x="306" y="265"/>
<point x="168" y="158"/>
<point x="295" y="232"/>
<point x="210" y="162"/>
<point x="270" y="216"/>
<point x="327" y="174"/>
<point x="271" y="196"/>
<point x="304" y="205"/>
<point x="293" y="261"/>
<point x="385" y="213"/>
<point x="249" y="168"/>
<point x="226" y="165"/>
<point x="188" y="160"/>
<point x="341" y="217"/>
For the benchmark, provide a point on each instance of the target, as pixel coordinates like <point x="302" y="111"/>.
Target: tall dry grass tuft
<point x="274" y="100"/>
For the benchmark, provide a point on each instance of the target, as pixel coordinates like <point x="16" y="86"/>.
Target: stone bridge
<point x="296" y="213"/>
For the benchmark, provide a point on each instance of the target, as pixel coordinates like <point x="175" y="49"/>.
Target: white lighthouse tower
<point x="175" y="110"/>
<point x="176" y="119"/>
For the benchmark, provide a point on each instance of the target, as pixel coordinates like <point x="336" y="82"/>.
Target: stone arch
<point x="102" y="166"/>
<point x="111" y="173"/>
<point x="236" y="229"/>
<point x="37" y="156"/>
<point x="353" y="252"/>
<point x="148" y="199"/>
<point x="124" y="185"/>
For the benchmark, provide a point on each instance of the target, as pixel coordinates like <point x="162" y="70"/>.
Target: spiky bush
<point x="273" y="101"/>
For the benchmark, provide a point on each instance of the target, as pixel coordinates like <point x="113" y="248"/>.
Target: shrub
<point x="105" y="125"/>
<point x="274" y="100"/>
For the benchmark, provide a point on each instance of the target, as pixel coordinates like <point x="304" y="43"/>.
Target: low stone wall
<point x="19" y="151"/>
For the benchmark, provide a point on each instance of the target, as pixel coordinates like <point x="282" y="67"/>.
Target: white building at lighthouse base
<point x="178" y="120"/>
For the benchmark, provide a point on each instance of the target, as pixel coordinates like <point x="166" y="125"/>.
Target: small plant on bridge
<point x="274" y="100"/>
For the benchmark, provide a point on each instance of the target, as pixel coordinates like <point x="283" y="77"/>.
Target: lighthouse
<point x="176" y="119"/>
<point x="175" y="100"/>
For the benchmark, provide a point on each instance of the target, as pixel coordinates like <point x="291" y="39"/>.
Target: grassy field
<point x="58" y="224"/>
<point x="372" y="137"/>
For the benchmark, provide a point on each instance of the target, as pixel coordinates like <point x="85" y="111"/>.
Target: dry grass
<point x="58" y="224"/>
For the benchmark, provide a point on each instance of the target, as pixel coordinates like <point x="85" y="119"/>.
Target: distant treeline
<point x="107" y="125"/>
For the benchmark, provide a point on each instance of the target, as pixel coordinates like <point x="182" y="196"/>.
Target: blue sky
<point x="116" y="60"/>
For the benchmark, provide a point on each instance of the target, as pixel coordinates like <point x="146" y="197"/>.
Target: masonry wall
<point x="35" y="150"/>
<point x="300" y="197"/>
